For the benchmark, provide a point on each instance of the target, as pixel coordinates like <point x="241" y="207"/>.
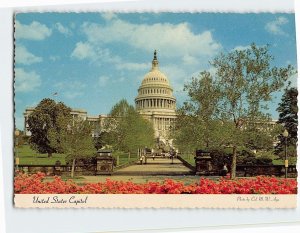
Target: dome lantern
<point x="155" y="61"/>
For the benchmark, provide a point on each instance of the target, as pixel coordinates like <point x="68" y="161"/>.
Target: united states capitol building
<point x="154" y="101"/>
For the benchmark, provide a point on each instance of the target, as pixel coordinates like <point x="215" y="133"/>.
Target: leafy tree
<point x="288" y="118"/>
<point x="234" y="103"/>
<point x="47" y="115"/>
<point x="127" y="129"/>
<point x="76" y="141"/>
<point x="246" y="81"/>
<point x="197" y="123"/>
<point x="20" y="139"/>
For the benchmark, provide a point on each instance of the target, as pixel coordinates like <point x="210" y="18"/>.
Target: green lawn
<point x="123" y="157"/>
<point x="292" y="161"/>
<point x="190" y="159"/>
<point x="30" y="157"/>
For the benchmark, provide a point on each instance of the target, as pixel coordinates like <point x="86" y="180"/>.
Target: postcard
<point x="155" y="110"/>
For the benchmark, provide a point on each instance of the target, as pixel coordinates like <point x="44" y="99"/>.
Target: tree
<point x="47" y="115"/>
<point x="127" y="129"/>
<point x="246" y="81"/>
<point x="76" y="141"/>
<point x="240" y="89"/>
<point x="197" y="124"/>
<point x="288" y="118"/>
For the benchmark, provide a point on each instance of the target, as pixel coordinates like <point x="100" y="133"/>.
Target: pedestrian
<point x="224" y="170"/>
<point x="141" y="159"/>
<point x="153" y="153"/>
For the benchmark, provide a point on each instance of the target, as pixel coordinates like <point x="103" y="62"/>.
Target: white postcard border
<point x="159" y="219"/>
<point x="251" y="201"/>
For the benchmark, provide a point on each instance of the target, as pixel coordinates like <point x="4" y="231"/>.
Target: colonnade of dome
<point x="155" y="103"/>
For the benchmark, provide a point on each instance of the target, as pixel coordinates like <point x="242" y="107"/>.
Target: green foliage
<point x="246" y="80"/>
<point x="198" y="125"/>
<point x="76" y="141"/>
<point x="101" y="139"/>
<point x="288" y="118"/>
<point x="21" y="139"/>
<point x="48" y="115"/>
<point x="228" y="108"/>
<point x="246" y="157"/>
<point x="219" y="158"/>
<point x="128" y="130"/>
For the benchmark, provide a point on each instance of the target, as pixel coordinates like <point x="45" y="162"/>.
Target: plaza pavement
<point x="156" y="170"/>
<point x="158" y="166"/>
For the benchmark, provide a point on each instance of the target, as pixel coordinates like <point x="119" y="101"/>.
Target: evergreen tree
<point x="288" y="118"/>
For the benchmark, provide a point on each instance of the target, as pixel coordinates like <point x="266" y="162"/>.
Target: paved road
<point x="159" y="166"/>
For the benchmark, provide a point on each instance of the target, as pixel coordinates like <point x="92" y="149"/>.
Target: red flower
<point x="35" y="184"/>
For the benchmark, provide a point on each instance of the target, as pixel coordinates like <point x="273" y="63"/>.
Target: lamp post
<point x="17" y="133"/>
<point x="286" y="162"/>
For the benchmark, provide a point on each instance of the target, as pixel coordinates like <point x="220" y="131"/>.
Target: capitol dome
<point x="155" y="100"/>
<point x="155" y="91"/>
<point x="155" y="77"/>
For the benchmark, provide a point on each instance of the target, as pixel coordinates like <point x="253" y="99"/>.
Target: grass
<point x="30" y="157"/>
<point x="292" y="160"/>
<point x="189" y="158"/>
<point x="123" y="157"/>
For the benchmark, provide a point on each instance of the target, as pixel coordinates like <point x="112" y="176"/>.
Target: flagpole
<point x="55" y="94"/>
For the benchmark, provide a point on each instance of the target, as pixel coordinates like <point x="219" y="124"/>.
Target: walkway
<point x="159" y="166"/>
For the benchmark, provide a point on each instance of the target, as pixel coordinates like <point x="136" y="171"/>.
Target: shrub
<point x="35" y="184"/>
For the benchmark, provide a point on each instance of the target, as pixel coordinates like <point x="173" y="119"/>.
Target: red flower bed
<point x="34" y="184"/>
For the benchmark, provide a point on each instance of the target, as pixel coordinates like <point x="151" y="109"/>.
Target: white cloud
<point x="181" y="51"/>
<point x="86" y="50"/>
<point x="274" y="27"/>
<point x="63" y="30"/>
<point x="83" y="50"/>
<point x="241" y="47"/>
<point x="174" y="40"/>
<point x="103" y="80"/>
<point x="23" y="56"/>
<point x="26" y="81"/>
<point x="33" y="31"/>
<point x="190" y="60"/>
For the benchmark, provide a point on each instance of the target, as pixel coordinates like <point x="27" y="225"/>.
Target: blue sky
<point x="93" y="60"/>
